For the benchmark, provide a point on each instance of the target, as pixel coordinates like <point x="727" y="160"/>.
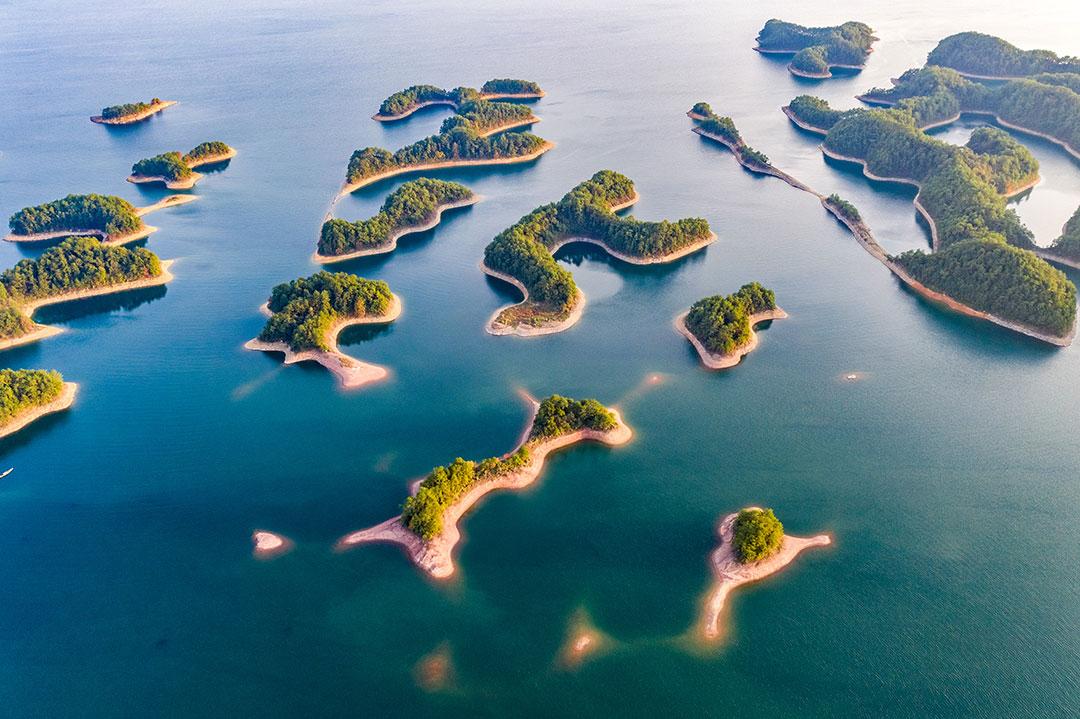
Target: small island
<point x="130" y="112"/>
<point x="986" y="57"/>
<point x="306" y="316"/>
<point x="113" y="219"/>
<point x="428" y="525"/>
<point x="27" y="395"/>
<point x="752" y="546"/>
<point x="267" y="545"/>
<point x="416" y="206"/>
<point x="817" y="50"/>
<point x="77" y="268"/>
<point x="176" y="171"/>
<point x="523" y="255"/>
<point x="405" y="102"/>
<point x="721" y="328"/>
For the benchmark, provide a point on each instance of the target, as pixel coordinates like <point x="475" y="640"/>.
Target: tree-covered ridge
<point x="404" y="101"/>
<point x="976" y="53"/>
<point x="556" y="416"/>
<point x="757" y="535"/>
<point x="21" y="389"/>
<point x="1068" y="245"/>
<point x="1070" y="80"/>
<point x="169" y="165"/>
<point x="127" y="109"/>
<point x="723" y="126"/>
<point x="204" y="150"/>
<point x="523" y="250"/>
<point x="722" y="323"/>
<point x="818" y="48"/>
<point x="509" y="86"/>
<point x="77" y="263"/>
<point x="304" y="310"/>
<point x="844" y="207"/>
<point x="108" y="214"/>
<point x="413" y="204"/>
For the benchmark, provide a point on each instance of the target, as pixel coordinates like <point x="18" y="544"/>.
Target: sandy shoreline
<point x="185" y="184"/>
<point x="786" y="109"/>
<point x="166" y="276"/>
<point x="37" y="334"/>
<point x="351" y="372"/>
<point x="813" y="76"/>
<point x="770" y="170"/>
<point x="729" y="573"/>
<point x="137" y="117"/>
<point x="30" y="414"/>
<point x="213" y="159"/>
<point x="1048" y="254"/>
<point x="715" y="361"/>
<point x="491" y="96"/>
<point x="436" y="556"/>
<point x="391" y="244"/>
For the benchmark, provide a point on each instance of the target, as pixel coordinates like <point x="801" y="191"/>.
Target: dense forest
<point x="508" y="86"/>
<point x="129" y="108"/>
<point x="724" y="127"/>
<point x="758" y="535"/>
<point x="203" y="150"/>
<point x="816" y="48"/>
<point x="1068" y="245"/>
<point x="556" y="416"/>
<point x="304" y="310"/>
<point x="13" y="322"/>
<point x="722" y="323"/>
<point x="169" y="165"/>
<point x="21" y="389"/>
<point x="405" y="100"/>
<point x="412" y="204"/>
<point x="523" y="250"/>
<point x="976" y="53"/>
<point x="105" y="213"/>
<point x="844" y="207"/>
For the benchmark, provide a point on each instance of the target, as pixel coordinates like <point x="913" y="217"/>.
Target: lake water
<point x="948" y="475"/>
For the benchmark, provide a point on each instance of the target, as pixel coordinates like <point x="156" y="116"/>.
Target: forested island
<point x="427" y="527"/>
<point x="816" y="50"/>
<point x="307" y="314"/>
<point x="107" y="216"/>
<point x="721" y="328"/>
<point x="752" y="546"/>
<point x="176" y="171"/>
<point x="523" y="253"/>
<point x="29" y="394"/>
<point x="76" y="268"/>
<point x="1066" y="248"/>
<point x="405" y="102"/>
<point x="416" y="206"/>
<point x="983" y="262"/>
<point x="130" y="112"/>
<point x="986" y="57"/>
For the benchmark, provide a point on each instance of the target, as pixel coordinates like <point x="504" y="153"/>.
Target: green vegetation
<point x="114" y="112"/>
<point x="725" y="127"/>
<point x="817" y="48"/>
<point x="523" y="251"/>
<point x="507" y="86"/>
<point x="411" y="205"/>
<point x="169" y="165"/>
<point x="406" y="100"/>
<point x="816" y="112"/>
<point x="703" y="109"/>
<point x="204" y="150"/>
<point x="105" y="213"/>
<point x="758" y="535"/>
<point x="304" y="310"/>
<point x="21" y="389"/>
<point x="556" y="416"/>
<point x="975" y="53"/>
<point x="845" y="208"/>
<point x="13" y="323"/>
<point x="1068" y="245"/>
<point x="722" y="324"/>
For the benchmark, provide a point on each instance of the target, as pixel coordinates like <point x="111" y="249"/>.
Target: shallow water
<point x="947" y="474"/>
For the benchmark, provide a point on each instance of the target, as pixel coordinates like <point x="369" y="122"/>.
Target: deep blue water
<point x="948" y="475"/>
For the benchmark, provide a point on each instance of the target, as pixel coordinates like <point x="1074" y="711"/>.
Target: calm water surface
<point x="948" y="475"/>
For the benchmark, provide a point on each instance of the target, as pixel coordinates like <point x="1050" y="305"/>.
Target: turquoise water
<point x="948" y="475"/>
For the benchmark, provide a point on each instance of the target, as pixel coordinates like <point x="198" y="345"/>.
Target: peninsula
<point x="416" y="206"/>
<point x="176" y="171"/>
<point x="428" y="525"/>
<point x="405" y="102"/>
<point x="27" y="395"/>
<point x="130" y="112"/>
<point x="77" y="268"/>
<point x="721" y="328"/>
<point x="817" y="50"/>
<point x="523" y="254"/>
<point x="752" y="546"/>
<point x="986" y="57"/>
<point x="113" y="219"/>
<point x="306" y="316"/>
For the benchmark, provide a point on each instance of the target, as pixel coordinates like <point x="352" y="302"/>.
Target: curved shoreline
<point x="213" y="159"/>
<point x="490" y="96"/>
<point x="138" y="234"/>
<point x="724" y="361"/>
<point x="391" y="243"/>
<point x="812" y="76"/>
<point x="729" y="573"/>
<point x="32" y="414"/>
<point x="436" y="556"/>
<point x="351" y="372"/>
<point x="137" y="117"/>
<point x="267" y="545"/>
<point x="185" y="184"/>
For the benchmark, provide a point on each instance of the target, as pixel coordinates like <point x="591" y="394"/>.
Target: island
<point x="986" y="57"/>
<point x="306" y="315"/>
<point x="27" y="395"/>
<point x="113" y="219"/>
<point x="428" y="525"/>
<point x="752" y="546"/>
<point x="416" y="206"/>
<point x="77" y="268"/>
<point x="176" y="171"/>
<point x="523" y="255"/>
<point x="405" y="102"/>
<point x="130" y="112"/>
<point x="267" y="545"/>
<point x="721" y="328"/>
<point x="817" y="50"/>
